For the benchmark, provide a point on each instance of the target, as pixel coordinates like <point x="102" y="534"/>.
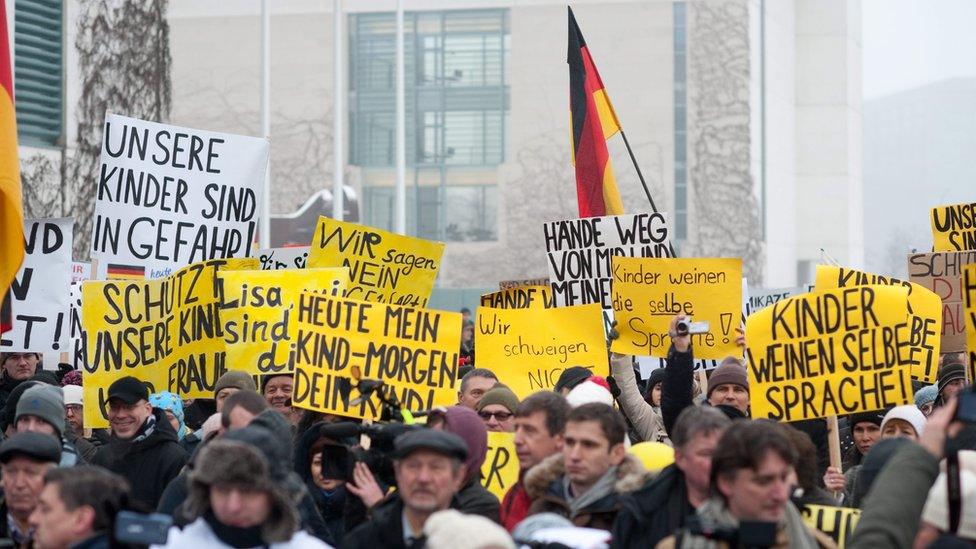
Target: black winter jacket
<point x="652" y="512"/>
<point x="677" y="389"/>
<point x="149" y="465"/>
<point x="384" y="529"/>
<point x="475" y="499"/>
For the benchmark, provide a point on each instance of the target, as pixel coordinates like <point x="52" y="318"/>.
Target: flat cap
<point x="441" y="442"/>
<point x="37" y="446"/>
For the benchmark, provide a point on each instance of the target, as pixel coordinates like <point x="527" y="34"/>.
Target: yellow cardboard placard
<point x="166" y="332"/>
<point x="836" y="522"/>
<point x="520" y="297"/>
<point x="954" y="227"/>
<point x="969" y="300"/>
<point x="259" y="311"/>
<point x="924" y="309"/>
<point x="501" y="467"/>
<point x="414" y="352"/>
<point x="649" y="292"/>
<point x="528" y="348"/>
<point x="834" y="352"/>
<point x="384" y="267"/>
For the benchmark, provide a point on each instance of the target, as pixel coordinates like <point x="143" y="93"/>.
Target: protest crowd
<point x="213" y="394"/>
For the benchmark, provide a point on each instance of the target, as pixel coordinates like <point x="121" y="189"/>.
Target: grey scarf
<point x="603" y="487"/>
<point x="714" y="510"/>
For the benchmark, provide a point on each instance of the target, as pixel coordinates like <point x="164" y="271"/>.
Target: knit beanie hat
<point x="450" y="529"/>
<point x="876" y="417"/>
<point x="950" y="372"/>
<point x="499" y="394"/>
<point x="730" y="371"/>
<point x="926" y="395"/>
<point x="587" y="392"/>
<point x="71" y="378"/>
<point x="169" y="401"/>
<point x="73" y="394"/>
<point x="936" y="511"/>
<point x="45" y="402"/>
<point x="571" y="377"/>
<point x="909" y="413"/>
<point x="236" y="379"/>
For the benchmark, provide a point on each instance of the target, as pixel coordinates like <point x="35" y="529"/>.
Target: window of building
<point x="456" y="117"/>
<point x="38" y="71"/>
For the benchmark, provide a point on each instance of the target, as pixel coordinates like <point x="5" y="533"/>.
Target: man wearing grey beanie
<point x="41" y="410"/>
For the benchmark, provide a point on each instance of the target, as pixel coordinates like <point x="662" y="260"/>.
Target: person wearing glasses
<point x="497" y="409"/>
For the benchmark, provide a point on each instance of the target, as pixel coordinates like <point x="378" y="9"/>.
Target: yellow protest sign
<point x="166" y="332"/>
<point x="258" y="313"/>
<point x="413" y="353"/>
<point x="528" y="348"/>
<point x="501" y="467"/>
<point x="924" y="308"/>
<point x="954" y="227"/>
<point x="836" y="522"/>
<point x="649" y="292"/>
<point x="384" y="267"/>
<point x="969" y="299"/>
<point x="834" y="352"/>
<point x="519" y="297"/>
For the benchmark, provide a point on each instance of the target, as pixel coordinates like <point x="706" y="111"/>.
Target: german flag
<point x="594" y="121"/>
<point x="116" y="271"/>
<point x="11" y="207"/>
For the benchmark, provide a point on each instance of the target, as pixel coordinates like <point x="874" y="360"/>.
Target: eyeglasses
<point x="500" y="416"/>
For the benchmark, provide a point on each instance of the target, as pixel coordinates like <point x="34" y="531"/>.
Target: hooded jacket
<point x="149" y="464"/>
<point x="647" y="421"/>
<point x="473" y="498"/>
<point x="544" y="484"/>
<point x="653" y="512"/>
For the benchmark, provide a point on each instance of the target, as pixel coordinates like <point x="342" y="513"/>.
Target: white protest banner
<point x="80" y="271"/>
<point x="77" y="345"/>
<point x="39" y="293"/>
<point x="579" y="252"/>
<point x="764" y="297"/>
<point x="169" y="196"/>
<point x="276" y="259"/>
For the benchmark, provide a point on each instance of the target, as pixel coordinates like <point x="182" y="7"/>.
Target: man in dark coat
<point x="143" y="448"/>
<point x="659" y="508"/>
<point x="15" y="368"/>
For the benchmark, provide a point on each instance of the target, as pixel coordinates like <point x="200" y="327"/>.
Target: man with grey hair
<point x="474" y="385"/>
<point x="660" y="507"/>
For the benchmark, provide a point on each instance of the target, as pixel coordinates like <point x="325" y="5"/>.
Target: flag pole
<point x="639" y="174"/>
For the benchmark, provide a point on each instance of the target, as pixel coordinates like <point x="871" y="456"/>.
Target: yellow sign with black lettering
<point x="520" y="297"/>
<point x="408" y="355"/>
<point x="969" y="300"/>
<point x="924" y="309"/>
<point x="259" y="310"/>
<point x="166" y="332"/>
<point x="827" y="353"/>
<point x="528" y="348"/>
<point x="837" y="522"/>
<point x="501" y="467"/>
<point x="649" y="292"/>
<point x="954" y="227"/>
<point x="384" y="267"/>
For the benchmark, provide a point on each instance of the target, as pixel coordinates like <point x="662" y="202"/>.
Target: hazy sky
<point x="908" y="43"/>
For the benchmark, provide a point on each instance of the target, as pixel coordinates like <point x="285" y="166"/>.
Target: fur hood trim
<point x="631" y="475"/>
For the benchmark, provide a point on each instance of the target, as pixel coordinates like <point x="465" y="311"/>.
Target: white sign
<point x="39" y="293"/>
<point x="579" y="252"/>
<point x="760" y="298"/>
<point x="169" y="196"/>
<point x="80" y="271"/>
<point x="275" y="259"/>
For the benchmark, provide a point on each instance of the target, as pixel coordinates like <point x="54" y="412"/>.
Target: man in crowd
<point x="240" y="408"/>
<point x="14" y="369"/>
<point x="74" y="416"/>
<point x="540" y="421"/>
<point x="143" y="447"/>
<point x="277" y="389"/>
<point x="24" y="460"/>
<point x="751" y="479"/>
<point x="41" y="410"/>
<point x="952" y="378"/>
<point x="658" y="509"/>
<point x="474" y="385"/>
<point x="230" y="383"/>
<point x="429" y="468"/>
<point x="585" y="483"/>
<point x="77" y="508"/>
<point x="497" y="409"/>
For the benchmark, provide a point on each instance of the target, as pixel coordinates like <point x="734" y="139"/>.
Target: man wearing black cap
<point x="429" y="467"/>
<point x="143" y="447"/>
<point x="24" y="459"/>
<point x="952" y="378"/>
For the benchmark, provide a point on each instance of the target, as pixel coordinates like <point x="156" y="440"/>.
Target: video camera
<point x="339" y="460"/>
<point x="749" y="534"/>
